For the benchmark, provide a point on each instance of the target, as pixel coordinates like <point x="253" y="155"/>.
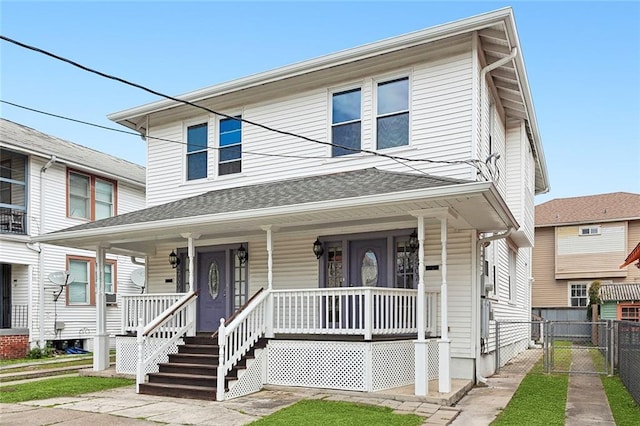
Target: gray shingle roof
<point x="105" y="164"/>
<point x="620" y="292"/>
<point x="289" y="192"/>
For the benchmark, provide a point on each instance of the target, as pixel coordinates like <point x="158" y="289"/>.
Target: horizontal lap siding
<point x="547" y="292"/>
<point x="440" y="130"/>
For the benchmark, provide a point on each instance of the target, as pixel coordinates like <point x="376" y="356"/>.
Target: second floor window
<point x="197" y="137"/>
<point x="13" y="192"/>
<point x="230" y="146"/>
<point x="90" y="197"/>
<point x="345" y="122"/>
<point x="393" y="113"/>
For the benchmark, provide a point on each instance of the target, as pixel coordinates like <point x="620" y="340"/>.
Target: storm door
<point x="213" y="290"/>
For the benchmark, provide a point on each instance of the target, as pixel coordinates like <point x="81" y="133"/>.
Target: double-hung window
<point x="346" y="122"/>
<point x="392" y="122"/>
<point x="90" y="197"/>
<point x="578" y="294"/>
<point x="230" y="140"/>
<point x="81" y="291"/>
<point x="197" y="143"/>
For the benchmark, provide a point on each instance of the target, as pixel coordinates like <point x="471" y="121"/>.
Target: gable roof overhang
<point x="633" y="256"/>
<point x="339" y="200"/>
<point x="497" y="34"/>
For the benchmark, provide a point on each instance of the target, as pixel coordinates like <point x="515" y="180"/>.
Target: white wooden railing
<point x="160" y="337"/>
<point x="145" y="308"/>
<point x="238" y="337"/>
<point x="350" y="310"/>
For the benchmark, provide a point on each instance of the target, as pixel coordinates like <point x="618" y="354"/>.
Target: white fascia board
<point x="467" y="189"/>
<point x="73" y="164"/>
<point x="428" y="35"/>
<point x="495" y="199"/>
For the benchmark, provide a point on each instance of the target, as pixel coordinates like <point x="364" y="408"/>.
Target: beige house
<point x="579" y="240"/>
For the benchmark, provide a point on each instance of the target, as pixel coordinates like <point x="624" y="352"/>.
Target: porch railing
<point x="19" y="316"/>
<point x="160" y="337"/>
<point x="237" y="337"/>
<point x="351" y="311"/>
<point x="144" y="308"/>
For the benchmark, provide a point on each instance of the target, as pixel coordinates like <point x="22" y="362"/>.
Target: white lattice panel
<point x="127" y="354"/>
<point x="433" y="355"/>
<point x="331" y="365"/>
<point x="252" y="379"/>
<point x="392" y="364"/>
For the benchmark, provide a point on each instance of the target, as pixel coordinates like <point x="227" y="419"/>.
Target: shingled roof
<point x="46" y="145"/>
<point x="620" y="292"/>
<point x="589" y="209"/>
<point x="335" y="186"/>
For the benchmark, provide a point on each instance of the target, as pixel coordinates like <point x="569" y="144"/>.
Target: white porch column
<point x="420" y="345"/>
<point x="269" y="308"/>
<point x="444" y="344"/>
<point x="101" y="339"/>
<point x="191" y="313"/>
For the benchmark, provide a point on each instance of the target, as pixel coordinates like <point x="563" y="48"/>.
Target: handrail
<point x="244" y="314"/>
<point x="158" y="321"/>
<point x="240" y="309"/>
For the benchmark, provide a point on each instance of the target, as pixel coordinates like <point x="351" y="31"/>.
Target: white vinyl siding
<point x="440" y="107"/>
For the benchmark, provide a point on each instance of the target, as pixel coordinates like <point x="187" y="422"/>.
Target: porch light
<point x="318" y="250"/>
<point x="242" y="254"/>
<point x="414" y="244"/>
<point x="174" y="261"/>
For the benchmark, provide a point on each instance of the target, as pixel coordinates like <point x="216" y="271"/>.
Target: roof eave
<point x="475" y="23"/>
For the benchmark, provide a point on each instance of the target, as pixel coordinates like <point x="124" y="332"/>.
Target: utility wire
<point x="473" y="163"/>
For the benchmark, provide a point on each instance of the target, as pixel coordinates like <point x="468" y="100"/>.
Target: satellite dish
<point x="138" y="277"/>
<point x="61" y="278"/>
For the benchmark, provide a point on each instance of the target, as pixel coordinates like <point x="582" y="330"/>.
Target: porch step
<point x="184" y="368"/>
<point x="190" y="348"/>
<point x="196" y="380"/>
<point x="200" y="340"/>
<point x="207" y="393"/>
<point x="207" y="359"/>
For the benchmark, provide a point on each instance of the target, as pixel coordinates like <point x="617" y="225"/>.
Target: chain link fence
<point x="627" y="348"/>
<point x="578" y="347"/>
<point x="519" y="345"/>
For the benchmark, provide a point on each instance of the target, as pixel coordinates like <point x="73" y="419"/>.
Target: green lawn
<point x="318" y="412"/>
<point x="57" y="387"/>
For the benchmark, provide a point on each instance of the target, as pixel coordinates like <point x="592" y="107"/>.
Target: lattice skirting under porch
<point x="127" y="354"/>
<point x="360" y="366"/>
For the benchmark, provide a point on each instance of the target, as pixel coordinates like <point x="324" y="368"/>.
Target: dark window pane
<point x="393" y="96"/>
<point x="229" y="125"/>
<point x="229" y="168"/>
<point x="346" y="135"/>
<point x="197" y="165"/>
<point x="197" y="138"/>
<point x="393" y="131"/>
<point x="230" y="153"/>
<point x="346" y="106"/>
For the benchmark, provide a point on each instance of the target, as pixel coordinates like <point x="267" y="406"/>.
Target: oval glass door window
<point x="214" y="280"/>
<point x="369" y="269"/>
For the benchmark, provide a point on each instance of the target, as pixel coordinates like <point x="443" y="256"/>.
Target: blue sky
<point x="582" y="59"/>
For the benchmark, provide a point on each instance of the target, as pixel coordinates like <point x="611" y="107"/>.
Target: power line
<point x="473" y="163"/>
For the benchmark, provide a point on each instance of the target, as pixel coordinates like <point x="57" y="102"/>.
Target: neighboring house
<point x="580" y="240"/>
<point x="377" y="272"/>
<point x="47" y="184"/>
<point x="620" y="302"/>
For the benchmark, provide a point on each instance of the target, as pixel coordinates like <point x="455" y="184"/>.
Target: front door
<point x="213" y="290"/>
<point x="368" y="263"/>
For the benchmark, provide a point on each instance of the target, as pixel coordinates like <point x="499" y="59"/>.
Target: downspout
<point x="483" y="87"/>
<point x="479" y="243"/>
<point x="43" y="170"/>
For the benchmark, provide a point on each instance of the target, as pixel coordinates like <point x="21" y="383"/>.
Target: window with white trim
<point x="230" y="141"/>
<point x="346" y="125"/>
<point x="197" y="153"/>
<point x="392" y="113"/>
<point x="578" y="294"/>
<point x="589" y="230"/>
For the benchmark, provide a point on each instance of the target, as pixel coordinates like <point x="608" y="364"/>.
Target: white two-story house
<point x="381" y="197"/>
<point x="49" y="184"/>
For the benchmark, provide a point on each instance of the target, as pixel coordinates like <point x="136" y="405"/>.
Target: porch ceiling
<point x="346" y="199"/>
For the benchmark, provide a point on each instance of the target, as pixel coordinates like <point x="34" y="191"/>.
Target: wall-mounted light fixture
<point x="242" y="254"/>
<point x="318" y="250"/>
<point x="414" y="244"/>
<point x="174" y="260"/>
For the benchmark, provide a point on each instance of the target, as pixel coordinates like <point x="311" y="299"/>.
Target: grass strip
<point x="319" y="412"/>
<point x="58" y="387"/>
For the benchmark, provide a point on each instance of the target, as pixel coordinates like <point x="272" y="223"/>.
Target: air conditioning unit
<point x="111" y="298"/>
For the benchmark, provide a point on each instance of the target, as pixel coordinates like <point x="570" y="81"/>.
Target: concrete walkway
<point x="587" y="402"/>
<point x="122" y="406"/>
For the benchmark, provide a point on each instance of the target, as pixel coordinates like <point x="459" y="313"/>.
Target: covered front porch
<point x="372" y="303"/>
